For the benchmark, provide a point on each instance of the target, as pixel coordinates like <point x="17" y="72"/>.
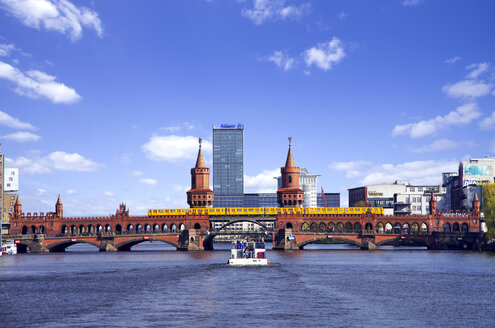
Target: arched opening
<point x="73" y="230"/>
<point x="182" y="227"/>
<point x="465" y="227"/>
<point x="322" y="227"/>
<point x="455" y="227"/>
<point x="173" y="227"/>
<point x="81" y="229"/>
<point x="63" y="230"/>
<point x="313" y="227"/>
<point x="358" y="228"/>
<point x="33" y="230"/>
<point x="305" y="226"/>
<point x="290" y="179"/>
<point x="24" y="230"/>
<point x="388" y="228"/>
<point x="164" y="228"/>
<point x="288" y="225"/>
<point x="331" y="227"/>
<point x="147" y="228"/>
<point x="348" y="227"/>
<point x="42" y="229"/>
<point x="405" y="228"/>
<point x="380" y="228"/>
<point x="108" y="228"/>
<point x="99" y="229"/>
<point x="368" y="226"/>
<point x="340" y="227"/>
<point x="91" y="229"/>
<point x="415" y="228"/>
<point x="446" y="227"/>
<point x="197" y="226"/>
<point x="139" y="228"/>
<point x="423" y="228"/>
<point x="118" y="229"/>
<point x="397" y="227"/>
<point x="156" y="228"/>
<point x="130" y="228"/>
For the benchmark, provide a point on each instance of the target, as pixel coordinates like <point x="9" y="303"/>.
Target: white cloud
<point x="179" y="188"/>
<point x="108" y="193"/>
<point x="148" y="181"/>
<point x="342" y="15"/>
<point x="137" y="173"/>
<point x="417" y="172"/>
<point x="42" y="192"/>
<point x="5" y="49"/>
<point x="174" y="148"/>
<point x="58" y="160"/>
<point x="263" y="182"/>
<point x="266" y="10"/>
<point x="22" y="136"/>
<point x="411" y="3"/>
<point x="71" y="191"/>
<point x="477" y="70"/>
<point x="35" y="84"/>
<point x="282" y="60"/>
<point x="488" y="123"/>
<point x="453" y="60"/>
<point x="353" y="169"/>
<point x="12" y="122"/>
<point x="467" y="89"/>
<point x="325" y="55"/>
<point x="462" y="115"/>
<point x="57" y="15"/>
<point x="178" y="127"/>
<point x="438" y="145"/>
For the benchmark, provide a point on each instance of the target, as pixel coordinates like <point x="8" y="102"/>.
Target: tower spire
<point x="290" y="159"/>
<point x="200" y="162"/>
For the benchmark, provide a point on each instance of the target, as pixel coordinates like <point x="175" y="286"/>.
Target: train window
<point x="171" y="211"/>
<point x="161" y="211"/>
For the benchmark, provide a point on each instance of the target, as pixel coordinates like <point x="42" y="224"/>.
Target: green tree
<point x="489" y="208"/>
<point x="361" y="203"/>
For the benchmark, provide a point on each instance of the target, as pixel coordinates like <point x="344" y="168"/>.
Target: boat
<point x="244" y="252"/>
<point x="9" y="247"/>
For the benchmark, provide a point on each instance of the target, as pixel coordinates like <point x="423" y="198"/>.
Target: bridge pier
<point x="36" y="245"/>
<point x="107" y="244"/>
<point x="195" y="240"/>
<point x="284" y="239"/>
<point x="368" y="242"/>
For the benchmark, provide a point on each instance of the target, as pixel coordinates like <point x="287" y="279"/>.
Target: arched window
<point x="290" y="179"/>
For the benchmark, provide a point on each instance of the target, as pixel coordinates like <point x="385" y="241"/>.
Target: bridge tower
<point x="290" y="195"/>
<point x="59" y="208"/>
<point x="17" y="207"/>
<point x="200" y="194"/>
<point x="433" y="205"/>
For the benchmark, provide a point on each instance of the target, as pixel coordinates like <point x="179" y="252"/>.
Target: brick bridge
<point x="52" y="232"/>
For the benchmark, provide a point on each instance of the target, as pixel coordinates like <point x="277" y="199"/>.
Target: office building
<point x="333" y="199"/>
<point x="398" y="198"/>
<point x="228" y="160"/>
<point x="307" y="182"/>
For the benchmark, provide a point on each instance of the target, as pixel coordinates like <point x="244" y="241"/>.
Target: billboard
<point x="478" y="169"/>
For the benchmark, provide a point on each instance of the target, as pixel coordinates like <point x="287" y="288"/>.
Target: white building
<point x="307" y="182"/>
<point x="399" y="198"/>
<point x="11" y="179"/>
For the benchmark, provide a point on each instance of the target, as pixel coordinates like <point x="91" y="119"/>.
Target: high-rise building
<point x="228" y="165"/>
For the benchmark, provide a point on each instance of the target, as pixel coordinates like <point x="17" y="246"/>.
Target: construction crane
<point x="323" y="197"/>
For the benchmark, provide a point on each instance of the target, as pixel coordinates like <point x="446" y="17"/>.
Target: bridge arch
<point x="414" y="228"/>
<point x="118" y="229"/>
<point x="316" y="239"/>
<point x="156" y="228"/>
<point x="394" y="239"/>
<point x="465" y="227"/>
<point x="127" y="245"/>
<point x="164" y="227"/>
<point x="24" y="230"/>
<point x="197" y="226"/>
<point x="446" y="227"/>
<point x="455" y="227"/>
<point x="288" y="225"/>
<point x="348" y="227"/>
<point x="380" y="228"/>
<point x="33" y="229"/>
<point x="60" y="246"/>
<point x="305" y="226"/>
<point x="322" y="227"/>
<point x="357" y="227"/>
<point x="64" y="229"/>
<point x="243" y="220"/>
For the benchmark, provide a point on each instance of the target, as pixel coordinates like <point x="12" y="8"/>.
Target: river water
<point x="322" y="286"/>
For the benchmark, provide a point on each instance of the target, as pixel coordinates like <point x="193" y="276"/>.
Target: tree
<point x="489" y="208"/>
<point x="361" y="203"/>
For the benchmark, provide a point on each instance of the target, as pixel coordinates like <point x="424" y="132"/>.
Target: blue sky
<point x="103" y="101"/>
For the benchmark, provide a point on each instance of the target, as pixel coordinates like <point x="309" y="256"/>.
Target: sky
<point x="102" y="102"/>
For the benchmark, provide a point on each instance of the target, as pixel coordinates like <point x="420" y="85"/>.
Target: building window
<point x="420" y="189"/>
<point x="290" y="179"/>
<point x="412" y="190"/>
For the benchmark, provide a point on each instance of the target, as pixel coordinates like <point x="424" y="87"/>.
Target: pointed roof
<point x="200" y="162"/>
<point x="433" y="197"/>
<point x="476" y="197"/>
<point x="17" y="201"/>
<point x="58" y="200"/>
<point x="290" y="159"/>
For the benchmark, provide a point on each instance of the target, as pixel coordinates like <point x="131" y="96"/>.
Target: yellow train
<point x="264" y="211"/>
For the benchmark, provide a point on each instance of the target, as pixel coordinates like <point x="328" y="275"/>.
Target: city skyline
<point x="102" y="111"/>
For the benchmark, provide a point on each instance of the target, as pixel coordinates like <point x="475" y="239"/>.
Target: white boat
<point x="245" y="252"/>
<point x="9" y="247"/>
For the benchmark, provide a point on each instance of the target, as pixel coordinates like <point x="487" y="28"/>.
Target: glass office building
<point x="228" y="160"/>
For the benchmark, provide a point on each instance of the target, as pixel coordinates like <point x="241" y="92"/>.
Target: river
<point x="322" y="286"/>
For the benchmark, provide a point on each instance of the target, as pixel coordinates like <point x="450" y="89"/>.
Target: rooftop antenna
<point x="290" y="141"/>
<point x="200" y="141"/>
